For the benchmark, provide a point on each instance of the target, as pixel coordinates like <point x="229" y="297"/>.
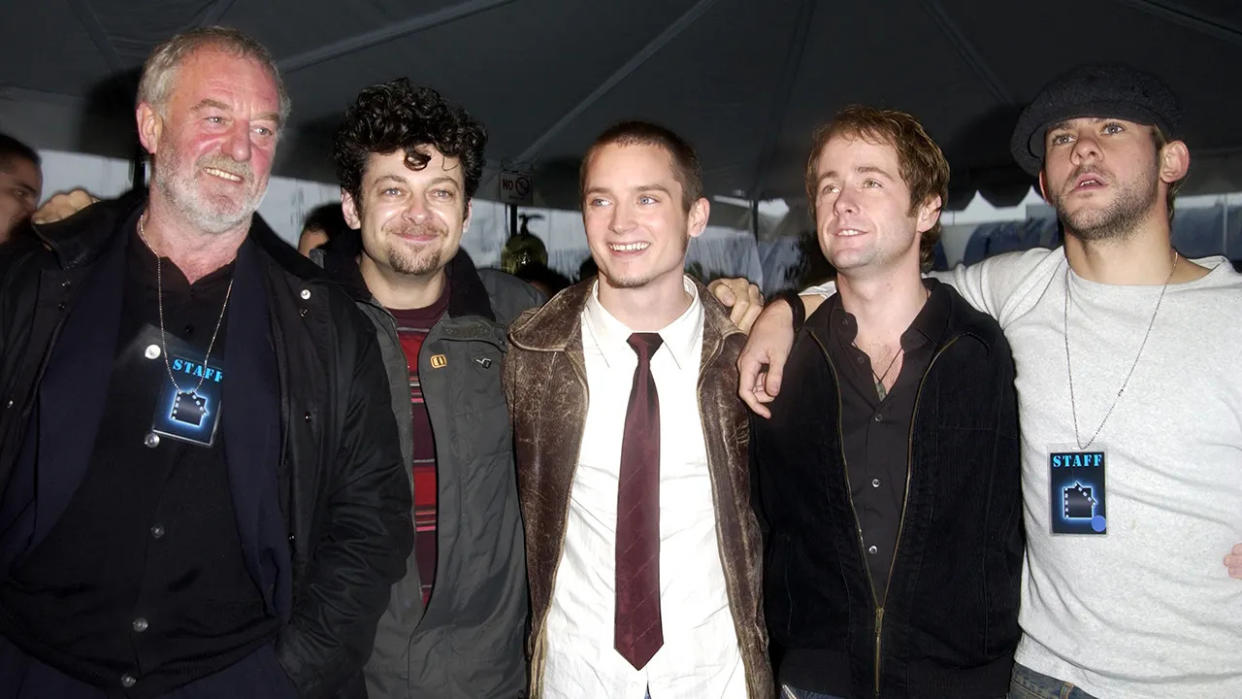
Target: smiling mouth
<point x="628" y="247"/>
<point x="848" y="232"/>
<point x="222" y="174"/>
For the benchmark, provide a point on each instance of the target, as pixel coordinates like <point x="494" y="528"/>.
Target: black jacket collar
<point x="80" y="239"/>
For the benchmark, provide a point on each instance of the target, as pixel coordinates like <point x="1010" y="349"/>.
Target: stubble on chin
<point x="1116" y="220"/>
<point x="413" y="263"/>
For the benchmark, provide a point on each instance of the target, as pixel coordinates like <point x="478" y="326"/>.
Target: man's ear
<point x="465" y="222"/>
<point x="1043" y="185"/>
<point x="697" y="218"/>
<point x="929" y="213"/>
<point x="150" y="126"/>
<point x="1174" y="161"/>
<point x="349" y="209"/>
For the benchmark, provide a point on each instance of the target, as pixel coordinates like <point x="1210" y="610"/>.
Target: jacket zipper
<point x="905" y="499"/>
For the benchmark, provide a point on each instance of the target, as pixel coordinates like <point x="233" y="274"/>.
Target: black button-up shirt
<point x="876" y="432"/>
<point x="142" y="584"/>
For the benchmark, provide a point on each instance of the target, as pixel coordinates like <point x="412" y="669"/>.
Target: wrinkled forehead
<point x="212" y="73"/>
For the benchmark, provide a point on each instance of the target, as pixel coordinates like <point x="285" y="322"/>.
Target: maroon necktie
<point x="639" y="632"/>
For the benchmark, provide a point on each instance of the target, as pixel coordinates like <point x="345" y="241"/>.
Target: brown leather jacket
<point x="545" y="380"/>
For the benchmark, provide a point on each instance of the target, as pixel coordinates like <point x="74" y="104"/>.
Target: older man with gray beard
<point x="200" y="497"/>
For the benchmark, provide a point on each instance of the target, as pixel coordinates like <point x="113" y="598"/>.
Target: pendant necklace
<point x="1070" y="373"/>
<point x="879" y="378"/>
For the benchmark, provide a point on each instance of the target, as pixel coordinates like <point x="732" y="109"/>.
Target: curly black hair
<point x="396" y="115"/>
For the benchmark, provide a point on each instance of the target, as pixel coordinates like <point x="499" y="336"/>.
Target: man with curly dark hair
<point x="409" y="163"/>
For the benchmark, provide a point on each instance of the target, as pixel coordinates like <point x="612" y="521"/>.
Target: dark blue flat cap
<point x="1112" y="90"/>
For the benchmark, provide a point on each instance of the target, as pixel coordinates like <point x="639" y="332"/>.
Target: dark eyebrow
<point x="641" y="188"/>
<point x="390" y="177"/>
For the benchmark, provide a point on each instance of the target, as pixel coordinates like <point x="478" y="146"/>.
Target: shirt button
<point x="189" y="330"/>
<point x="875" y="482"/>
<point x="860" y="360"/>
<point x="151" y="441"/>
<point x="872" y="549"/>
<point x="152" y="352"/>
<point x="879" y="417"/>
<point x="140" y="624"/>
<point x="157" y="531"/>
<point x="128" y="680"/>
<point x="305" y="294"/>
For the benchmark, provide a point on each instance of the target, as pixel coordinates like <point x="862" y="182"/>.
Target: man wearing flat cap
<point x="1129" y="400"/>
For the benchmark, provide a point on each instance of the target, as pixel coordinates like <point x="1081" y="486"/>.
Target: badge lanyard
<point x="188" y="408"/>
<point x="1077" y="484"/>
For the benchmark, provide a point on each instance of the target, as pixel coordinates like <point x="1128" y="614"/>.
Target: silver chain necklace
<point x="159" y="300"/>
<point x="1070" y="373"/>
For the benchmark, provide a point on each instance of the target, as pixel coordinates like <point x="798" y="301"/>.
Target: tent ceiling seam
<point x="99" y="36"/>
<point x="1178" y="14"/>
<point x="385" y="33"/>
<point x="780" y="96"/>
<point x="635" y="61"/>
<point x="215" y="12"/>
<point x="968" y="52"/>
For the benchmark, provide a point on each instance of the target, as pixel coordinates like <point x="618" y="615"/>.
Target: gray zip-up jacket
<point x="469" y="640"/>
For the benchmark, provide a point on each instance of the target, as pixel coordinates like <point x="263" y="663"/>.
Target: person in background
<point x="322" y="224"/>
<point x="21" y="185"/>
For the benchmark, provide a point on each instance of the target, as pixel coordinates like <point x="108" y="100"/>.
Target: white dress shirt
<point x="700" y="657"/>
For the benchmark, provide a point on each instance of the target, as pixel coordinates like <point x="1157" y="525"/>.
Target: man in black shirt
<point x="888" y="473"/>
<point x="200" y="496"/>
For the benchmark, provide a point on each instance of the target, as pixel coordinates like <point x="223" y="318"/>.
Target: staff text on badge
<point x="1076" y="491"/>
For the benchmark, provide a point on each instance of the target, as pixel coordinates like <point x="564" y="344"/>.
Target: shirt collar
<point x="682" y="337"/>
<point x="927" y="327"/>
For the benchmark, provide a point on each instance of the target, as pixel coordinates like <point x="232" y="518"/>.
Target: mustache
<point x="416" y="229"/>
<point x="1085" y="170"/>
<point x="221" y="162"/>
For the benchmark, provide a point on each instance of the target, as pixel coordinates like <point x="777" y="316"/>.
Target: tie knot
<point x="645" y="344"/>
